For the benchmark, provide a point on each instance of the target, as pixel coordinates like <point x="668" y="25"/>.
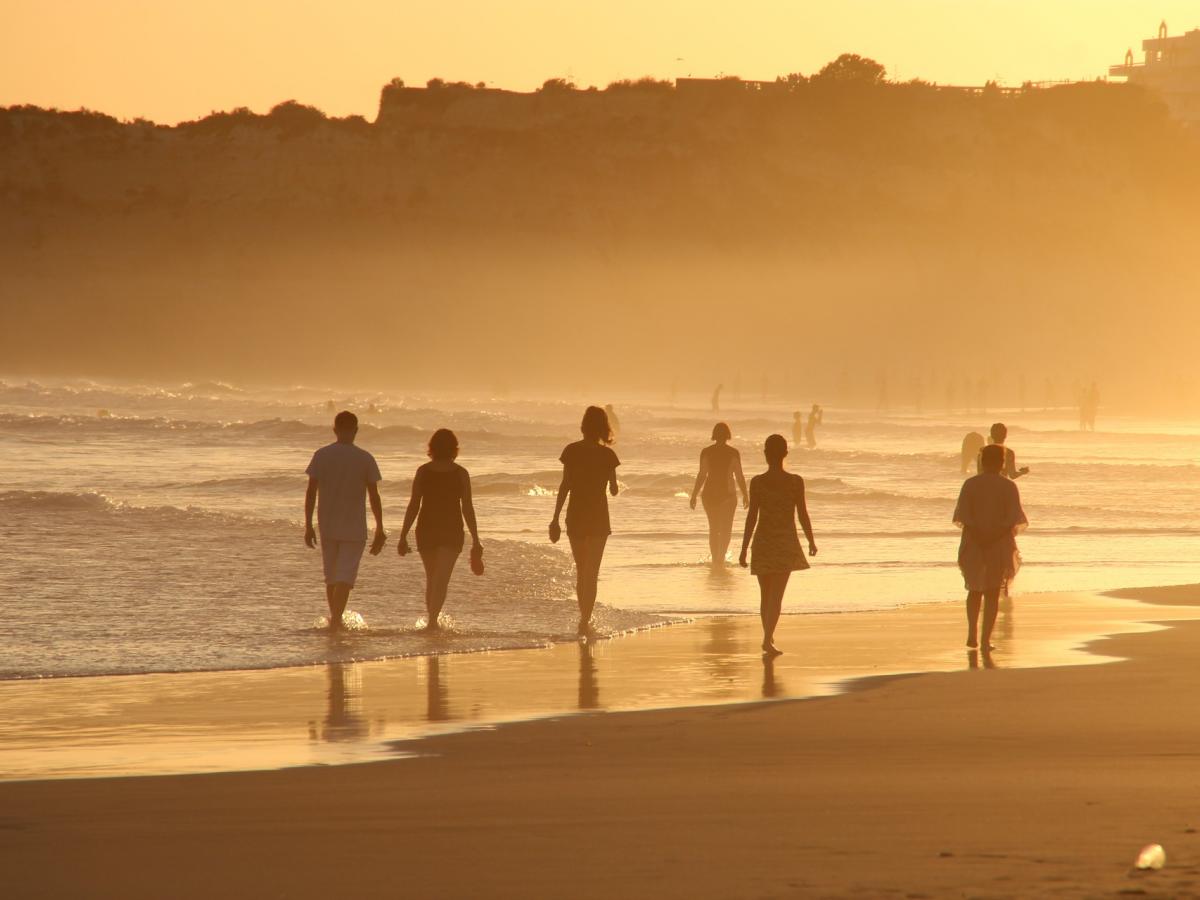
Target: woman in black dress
<point x="441" y="501"/>
<point x="589" y="466"/>
<point x="717" y="483"/>
<point x="776" y="500"/>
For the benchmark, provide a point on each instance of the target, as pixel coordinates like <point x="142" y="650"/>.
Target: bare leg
<point x="716" y="552"/>
<point x="991" y="606"/>
<point x="589" y="553"/>
<point x="439" y="566"/>
<point x="771" y="588"/>
<point x="725" y="529"/>
<point x="974" y="601"/>
<point x="338" y="596"/>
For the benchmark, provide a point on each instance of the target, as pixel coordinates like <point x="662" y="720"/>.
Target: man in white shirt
<point x="340" y="478"/>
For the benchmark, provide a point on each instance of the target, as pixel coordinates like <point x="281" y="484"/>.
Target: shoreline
<point x="345" y="713"/>
<point x="1009" y="783"/>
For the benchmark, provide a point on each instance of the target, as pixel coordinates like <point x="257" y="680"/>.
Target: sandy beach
<point x="1009" y="782"/>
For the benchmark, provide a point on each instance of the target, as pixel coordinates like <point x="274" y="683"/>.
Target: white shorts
<point x="341" y="559"/>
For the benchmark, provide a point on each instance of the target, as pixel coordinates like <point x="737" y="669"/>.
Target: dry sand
<point x="978" y="783"/>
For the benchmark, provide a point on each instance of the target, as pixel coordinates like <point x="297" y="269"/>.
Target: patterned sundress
<point x="776" y="545"/>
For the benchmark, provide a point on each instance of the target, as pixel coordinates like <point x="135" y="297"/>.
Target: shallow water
<point x="157" y="528"/>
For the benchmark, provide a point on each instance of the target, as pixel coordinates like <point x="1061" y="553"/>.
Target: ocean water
<point x="156" y="528"/>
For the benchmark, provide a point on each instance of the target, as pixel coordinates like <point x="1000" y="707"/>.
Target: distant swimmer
<point x="1091" y="406"/>
<point x="329" y="407"/>
<point x="815" y="417"/>
<point x="971" y="445"/>
<point x="440" y="503"/>
<point x="716" y="398"/>
<point x="589" y="466"/>
<point x="996" y="437"/>
<point x="718" y="483"/>
<point x="990" y="515"/>
<point x="797" y="428"/>
<point x="776" y="500"/>
<point x="613" y="422"/>
<point x="341" y="477"/>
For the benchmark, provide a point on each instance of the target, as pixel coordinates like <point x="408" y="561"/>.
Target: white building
<point x="1171" y="68"/>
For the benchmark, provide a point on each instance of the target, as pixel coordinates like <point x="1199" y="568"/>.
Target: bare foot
<point x="770" y="649"/>
<point x="972" y="642"/>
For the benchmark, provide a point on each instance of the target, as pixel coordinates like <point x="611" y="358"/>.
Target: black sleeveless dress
<point x="440" y="520"/>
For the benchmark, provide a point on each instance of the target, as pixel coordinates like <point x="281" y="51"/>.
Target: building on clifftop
<point x="1171" y="69"/>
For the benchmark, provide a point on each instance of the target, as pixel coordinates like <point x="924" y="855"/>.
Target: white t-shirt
<point x="343" y="472"/>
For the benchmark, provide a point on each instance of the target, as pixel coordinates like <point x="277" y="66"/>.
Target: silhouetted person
<point x="996" y="438"/>
<point x="716" y="398"/>
<point x="340" y="478"/>
<point x="720" y="469"/>
<point x="776" y="499"/>
<point x="815" y="417"/>
<point x="589" y="466"/>
<point x="990" y="515"/>
<point x="797" y="428"/>
<point x="613" y="422"/>
<point x="440" y="502"/>
<point x="971" y="445"/>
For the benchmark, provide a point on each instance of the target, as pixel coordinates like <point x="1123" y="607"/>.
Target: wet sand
<point x="345" y="713"/>
<point x="1010" y="782"/>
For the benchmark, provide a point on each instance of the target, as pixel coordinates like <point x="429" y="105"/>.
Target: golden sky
<point x="170" y="60"/>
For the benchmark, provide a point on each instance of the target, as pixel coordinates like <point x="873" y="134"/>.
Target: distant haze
<point x="173" y="61"/>
<point x="824" y="237"/>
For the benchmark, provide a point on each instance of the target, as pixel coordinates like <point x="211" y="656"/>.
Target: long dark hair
<point x="595" y="425"/>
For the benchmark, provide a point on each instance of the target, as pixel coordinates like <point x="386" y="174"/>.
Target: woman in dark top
<point x="776" y="498"/>
<point x="589" y="466"/>
<point x="441" y="500"/>
<point x="720" y="468"/>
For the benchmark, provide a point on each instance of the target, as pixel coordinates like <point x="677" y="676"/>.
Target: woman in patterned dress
<point x="776" y="498"/>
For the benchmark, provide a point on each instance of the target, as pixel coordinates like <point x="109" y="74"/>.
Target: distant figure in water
<point x="716" y="398"/>
<point x="997" y="436"/>
<point x="440" y="503"/>
<point x="613" y="422"/>
<point x="815" y="417"/>
<point x="589" y="466"/>
<point x="971" y="445"/>
<point x="990" y="515"/>
<point x="341" y="477"/>
<point x="1089" y="408"/>
<point x="776" y="498"/>
<point x="797" y="428"/>
<point x="720" y="470"/>
<point x="329" y="405"/>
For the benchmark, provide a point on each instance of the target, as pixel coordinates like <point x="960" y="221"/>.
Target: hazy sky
<point x="171" y="60"/>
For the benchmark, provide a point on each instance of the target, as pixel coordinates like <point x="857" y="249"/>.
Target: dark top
<point x="440" y="520"/>
<point x="589" y="466"/>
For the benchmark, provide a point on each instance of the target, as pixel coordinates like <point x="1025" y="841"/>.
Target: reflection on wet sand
<point x="348" y="712"/>
<point x="723" y="652"/>
<point x="343" y="715"/>
<point x="437" y="693"/>
<point x="772" y="687"/>
<point x="974" y="656"/>
<point x="589" y="685"/>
